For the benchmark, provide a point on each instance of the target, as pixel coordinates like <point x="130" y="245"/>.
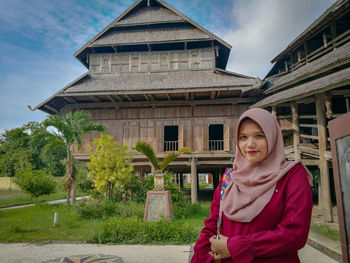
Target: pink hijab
<point x="252" y="185"/>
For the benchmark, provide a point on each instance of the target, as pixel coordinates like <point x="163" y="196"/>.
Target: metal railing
<point x="216" y="145"/>
<point x="171" y="146"/>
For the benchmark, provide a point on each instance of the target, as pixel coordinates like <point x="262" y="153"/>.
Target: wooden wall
<point x="129" y="125"/>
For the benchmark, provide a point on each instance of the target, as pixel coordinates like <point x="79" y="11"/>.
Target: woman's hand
<point x="219" y="248"/>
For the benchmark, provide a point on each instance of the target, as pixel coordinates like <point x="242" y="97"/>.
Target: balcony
<point x="171" y="146"/>
<point x="216" y="145"/>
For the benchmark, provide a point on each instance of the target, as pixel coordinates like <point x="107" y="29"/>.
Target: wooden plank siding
<point x="128" y="126"/>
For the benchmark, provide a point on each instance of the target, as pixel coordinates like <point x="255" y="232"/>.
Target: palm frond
<point x="147" y="150"/>
<point x="172" y="156"/>
<point x="168" y="159"/>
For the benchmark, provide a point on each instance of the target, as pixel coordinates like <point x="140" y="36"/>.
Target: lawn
<point x="16" y="197"/>
<point x="35" y="224"/>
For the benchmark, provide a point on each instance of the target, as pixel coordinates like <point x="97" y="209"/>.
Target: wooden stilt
<point x="194" y="179"/>
<point x="325" y="201"/>
<point x="295" y="125"/>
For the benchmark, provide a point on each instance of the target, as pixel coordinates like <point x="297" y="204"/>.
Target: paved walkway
<point x="49" y="253"/>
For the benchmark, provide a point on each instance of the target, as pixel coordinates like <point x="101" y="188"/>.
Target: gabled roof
<point x="336" y="58"/>
<point x="147" y="12"/>
<point x="328" y="82"/>
<point x="338" y="7"/>
<point x="154" y="84"/>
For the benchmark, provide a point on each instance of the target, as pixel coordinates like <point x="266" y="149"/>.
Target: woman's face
<point x="252" y="141"/>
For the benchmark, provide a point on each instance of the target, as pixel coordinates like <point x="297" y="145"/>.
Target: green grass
<point x="326" y="231"/>
<point x="16" y="197"/>
<point x="35" y="224"/>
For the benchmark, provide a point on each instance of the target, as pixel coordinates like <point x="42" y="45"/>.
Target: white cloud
<point x="265" y="28"/>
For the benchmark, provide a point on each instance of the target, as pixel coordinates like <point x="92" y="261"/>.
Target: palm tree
<point x="147" y="150"/>
<point x="71" y="129"/>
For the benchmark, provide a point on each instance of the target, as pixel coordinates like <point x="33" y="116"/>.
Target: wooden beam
<point x="168" y="96"/>
<point x="307" y="100"/>
<point x="127" y="104"/>
<point x="187" y="96"/>
<point x="296" y="133"/>
<point x="111" y="98"/>
<point x="212" y="95"/>
<point x="325" y="192"/>
<point x="311" y="162"/>
<point x="70" y="99"/>
<point x="274" y="112"/>
<point x="150" y="97"/>
<point x="309" y="136"/>
<point x="94" y="98"/>
<point x="146" y="97"/>
<point x="51" y="108"/>
<point x="118" y="98"/>
<point x="126" y="96"/>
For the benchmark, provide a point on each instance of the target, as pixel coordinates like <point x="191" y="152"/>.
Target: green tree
<point x="110" y="165"/>
<point x="35" y="182"/>
<point x="71" y="130"/>
<point x="14" y="151"/>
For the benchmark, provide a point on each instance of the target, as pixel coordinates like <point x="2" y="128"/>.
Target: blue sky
<point x="38" y="39"/>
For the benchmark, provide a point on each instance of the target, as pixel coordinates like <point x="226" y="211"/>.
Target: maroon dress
<point x="275" y="235"/>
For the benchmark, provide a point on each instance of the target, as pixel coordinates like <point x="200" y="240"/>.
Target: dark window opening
<point x="171" y="138"/>
<point x="216" y="137"/>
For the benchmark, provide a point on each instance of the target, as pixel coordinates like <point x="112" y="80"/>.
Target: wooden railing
<point x="216" y="145"/>
<point x="171" y="146"/>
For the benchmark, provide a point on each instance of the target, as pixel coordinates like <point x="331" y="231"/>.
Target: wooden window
<point x="125" y="63"/>
<point x="171" y="138"/>
<point x="206" y="59"/>
<point x="135" y="62"/>
<point x="174" y="61"/>
<point x="116" y="63"/>
<point x="144" y="62"/>
<point x="105" y="64"/>
<point x="184" y="60"/>
<point x="216" y="137"/>
<point x="154" y="62"/>
<point x="195" y="60"/>
<point x="95" y="66"/>
<point x="163" y="59"/>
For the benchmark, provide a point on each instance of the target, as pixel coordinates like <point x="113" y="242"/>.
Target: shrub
<point x="35" y="182"/>
<point x="139" y="187"/>
<point x="136" y="231"/>
<point x="102" y="209"/>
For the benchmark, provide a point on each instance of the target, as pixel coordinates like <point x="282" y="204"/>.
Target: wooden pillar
<point x="274" y="112"/>
<point x="325" y="201"/>
<point x="181" y="181"/>
<point x="295" y="126"/>
<point x="194" y="179"/>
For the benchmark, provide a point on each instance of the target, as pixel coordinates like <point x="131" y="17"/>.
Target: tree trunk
<point x="68" y="184"/>
<point x="74" y="191"/>
<point x="68" y="196"/>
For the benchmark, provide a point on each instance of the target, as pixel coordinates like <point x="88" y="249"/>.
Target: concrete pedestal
<point x="158" y="205"/>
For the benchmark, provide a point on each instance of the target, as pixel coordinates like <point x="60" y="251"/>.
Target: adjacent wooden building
<point x="157" y="76"/>
<point x="309" y="85"/>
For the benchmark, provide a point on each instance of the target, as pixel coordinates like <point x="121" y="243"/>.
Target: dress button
<point x="276" y="191"/>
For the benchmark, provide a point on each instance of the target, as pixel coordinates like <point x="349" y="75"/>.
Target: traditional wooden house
<point x="157" y="76"/>
<point x="309" y="85"/>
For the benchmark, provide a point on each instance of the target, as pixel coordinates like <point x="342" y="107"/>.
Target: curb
<point x="328" y="246"/>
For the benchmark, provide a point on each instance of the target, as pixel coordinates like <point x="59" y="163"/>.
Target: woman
<point x="266" y="209"/>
